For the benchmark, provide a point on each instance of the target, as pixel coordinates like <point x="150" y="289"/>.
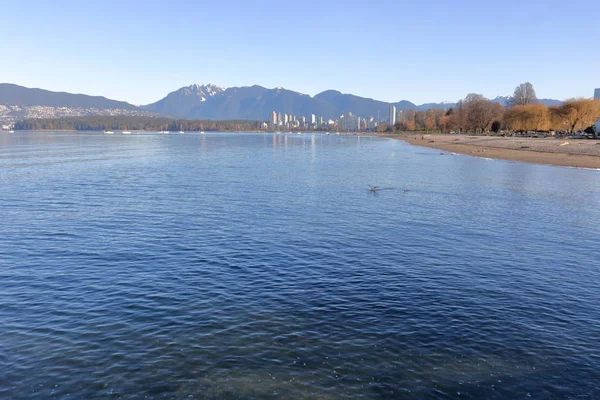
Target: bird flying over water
<point x="373" y="188"/>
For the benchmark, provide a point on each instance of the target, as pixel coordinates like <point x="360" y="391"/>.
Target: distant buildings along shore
<point x="347" y="122"/>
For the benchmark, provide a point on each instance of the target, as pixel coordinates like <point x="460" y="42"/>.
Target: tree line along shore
<point x="134" y="123"/>
<point x="476" y="114"/>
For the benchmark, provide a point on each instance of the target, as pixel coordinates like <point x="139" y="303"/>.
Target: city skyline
<point x="345" y="122"/>
<point x="441" y="52"/>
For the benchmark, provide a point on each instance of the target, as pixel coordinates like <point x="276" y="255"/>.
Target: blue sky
<point x="422" y="51"/>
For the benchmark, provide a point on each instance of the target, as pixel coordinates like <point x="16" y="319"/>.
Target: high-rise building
<point x="313" y="119"/>
<point x="371" y="123"/>
<point x="285" y="119"/>
<point x="393" y="115"/>
<point x="597" y="94"/>
<point x="351" y="123"/>
<point x="274" y="118"/>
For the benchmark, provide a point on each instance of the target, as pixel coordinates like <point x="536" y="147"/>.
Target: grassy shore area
<point x="561" y="152"/>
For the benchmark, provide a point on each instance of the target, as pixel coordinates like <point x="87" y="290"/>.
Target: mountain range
<point x="257" y="103"/>
<point x="15" y="95"/>
<point x="218" y="103"/>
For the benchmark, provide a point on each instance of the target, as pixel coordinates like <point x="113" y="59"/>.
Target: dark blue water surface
<point x="258" y="266"/>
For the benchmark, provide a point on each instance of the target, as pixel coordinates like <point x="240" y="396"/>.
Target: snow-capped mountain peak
<point x="202" y="91"/>
<point x="501" y="99"/>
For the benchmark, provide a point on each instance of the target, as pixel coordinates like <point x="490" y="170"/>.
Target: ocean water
<point x="258" y="266"/>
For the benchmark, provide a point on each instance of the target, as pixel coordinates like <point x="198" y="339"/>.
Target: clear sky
<point x="391" y="50"/>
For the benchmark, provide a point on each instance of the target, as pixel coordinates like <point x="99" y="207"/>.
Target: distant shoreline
<point x="578" y="153"/>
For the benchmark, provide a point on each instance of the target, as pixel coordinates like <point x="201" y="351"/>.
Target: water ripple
<point x="250" y="266"/>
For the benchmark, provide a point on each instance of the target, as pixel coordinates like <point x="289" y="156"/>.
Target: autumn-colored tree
<point x="444" y="124"/>
<point x="539" y="117"/>
<point x="557" y="121"/>
<point x="529" y="117"/>
<point x="439" y="114"/>
<point x="382" y="128"/>
<point x="513" y="119"/>
<point x="430" y="120"/>
<point x="579" y="113"/>
<point x="410" y="125"/>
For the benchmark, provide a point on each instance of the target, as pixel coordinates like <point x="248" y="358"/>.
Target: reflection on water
<point x="252" y="266"/>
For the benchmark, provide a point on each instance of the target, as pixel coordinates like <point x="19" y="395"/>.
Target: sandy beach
<point x="579" y="153"/>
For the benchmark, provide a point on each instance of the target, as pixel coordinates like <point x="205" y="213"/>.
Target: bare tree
<point x="473" y="97"/>
<point x="480" y="112"/>
<point x="459" y="116"/>
<point x="524" y="94"/>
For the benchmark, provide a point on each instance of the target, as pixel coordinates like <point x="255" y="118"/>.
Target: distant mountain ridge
<point x="257" y="103"/>
<point x="16" y="95"/>
<point x="548" y="102"/>
<point x="218" y="103"/>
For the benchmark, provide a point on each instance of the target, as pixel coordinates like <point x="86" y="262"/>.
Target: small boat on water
<point x="109" y="133"/>
<point x="202" y="132"/>
<point x="126" y="133"/>
<point x="181" y="132"/>
<point x="11" y="131"/>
